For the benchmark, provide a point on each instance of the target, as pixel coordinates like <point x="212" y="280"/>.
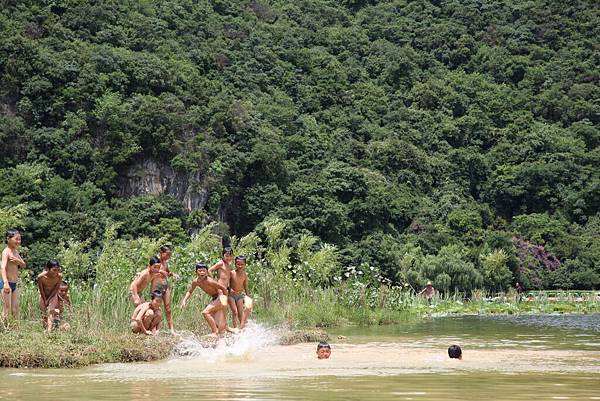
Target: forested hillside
<point x="456" y="141"/>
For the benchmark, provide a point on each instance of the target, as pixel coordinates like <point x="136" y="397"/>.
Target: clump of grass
<point x="28" y="346"/>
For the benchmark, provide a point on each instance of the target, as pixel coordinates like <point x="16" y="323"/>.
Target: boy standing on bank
<point x="9" y="269"/>
<point x="239" y="296"/>
<point x="162" y="283"/>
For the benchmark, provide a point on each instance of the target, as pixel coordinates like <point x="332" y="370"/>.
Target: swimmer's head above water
<point x="323" y="350"/>
<point x="454" y="352"/>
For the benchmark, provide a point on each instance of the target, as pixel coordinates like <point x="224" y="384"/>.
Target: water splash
<point x="232" y="347"/>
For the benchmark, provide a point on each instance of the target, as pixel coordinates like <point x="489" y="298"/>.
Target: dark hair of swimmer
<point x="323" y="344"/>
<point x="241" y="257"/>
<point x="52" y="263"/>
<point x="227" y="251"/>
<point x="64" y="284"/>
<point x="201" y="266"/>
<point x="153" y="260"/>
<point x="11" y="233"/>
<point x="165" y="248"/>
<point x="454" y="351"/>
<point x="156" y="294"/>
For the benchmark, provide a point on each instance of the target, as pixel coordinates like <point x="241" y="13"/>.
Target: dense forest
<point x="450" y="140"/>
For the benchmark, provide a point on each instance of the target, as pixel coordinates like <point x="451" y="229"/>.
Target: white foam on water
<point x="241" y="346"/>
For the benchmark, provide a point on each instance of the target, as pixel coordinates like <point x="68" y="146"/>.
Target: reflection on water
<point x="504" y="358"/>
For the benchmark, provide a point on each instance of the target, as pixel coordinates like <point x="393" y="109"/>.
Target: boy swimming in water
<point x="162" y="283"/>
<point x="9" y="269"/>
<point x="454" y="352"/>
<point x="146" y="316"/>
<point x="142" y="279"/>
<point x="239" y="303"/>
<point x="213" y="311"/>
<point x="323" y="350"/>
<point x="48" y="283"/>
<point x="56" y="305"/>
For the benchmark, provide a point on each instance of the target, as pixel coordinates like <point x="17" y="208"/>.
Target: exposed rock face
<point x="150" y="177"/>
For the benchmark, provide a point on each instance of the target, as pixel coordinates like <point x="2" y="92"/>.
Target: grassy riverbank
<point x="300" y="285"/>
<point x="100" y="332"/>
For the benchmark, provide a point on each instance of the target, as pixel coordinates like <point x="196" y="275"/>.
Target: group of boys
<point x="230" y="289"/>
<point x="54" y="296"/>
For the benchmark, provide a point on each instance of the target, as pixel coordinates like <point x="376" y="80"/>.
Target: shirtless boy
<point x="213" y="311"/>
<point x="239" y="303"/>
<point x="9" y="268"/>
<point x="162" y="283"/>
<point x="56" y="305"/>
<point x="146" y="316"/>
<point x="222" y="266"/>
<point x="142" y="279"/>
<point x="48" y="283"/>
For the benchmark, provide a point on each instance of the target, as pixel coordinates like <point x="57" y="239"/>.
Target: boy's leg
<point x="135" y="327"/>
<point x="148" y="318"/>
<point x="155" y="323"/>
<point x="234" y="311"/>
<point x="64" y="326"/>
<point x="209" y="313"/>
<point x="239" y="306"/>
<point x="6" y="298"/>
<point x="167" y="304"/>
<point x="43" y="308"/>
<point x="245" y="312"/>
<point x="14" y="303"/>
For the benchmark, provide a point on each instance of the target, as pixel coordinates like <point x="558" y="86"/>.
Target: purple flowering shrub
<point x="534" y="263"/>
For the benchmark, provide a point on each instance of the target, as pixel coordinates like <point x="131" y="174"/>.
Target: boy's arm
<point x="139" y="318"/>
<point x="3" y="271"/>
<point x="220" y="286"/>
<point x="214" y="268"/>
<point x="246" y="286"/>
<point x="188" y="294"/>
<point x="133" y="287"/>
<point x="41" y="287"/>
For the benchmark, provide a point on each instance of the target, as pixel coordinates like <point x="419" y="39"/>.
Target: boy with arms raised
<point x="150" y="275"/>
<point x="240" y="304"/>
<point x="146" y="316"/>
<point x="213" y="311"/>
<point x="48" y="284"/>
<point x="56" y="307"/>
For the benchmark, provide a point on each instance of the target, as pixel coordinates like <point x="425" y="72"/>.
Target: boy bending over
<point x="56" y="306"/>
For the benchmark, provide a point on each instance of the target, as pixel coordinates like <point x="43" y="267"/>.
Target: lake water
<point x="505" y="358"/>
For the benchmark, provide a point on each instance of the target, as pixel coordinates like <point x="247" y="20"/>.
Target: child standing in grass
<point x="9" y="268"/>
<point x="224" y="272"/>
<point x="146" y="316"/>
<point x="240" y="304"/>
<point x="48" y="284"/>
<point x="213" y="311"/>
<point x="56" y="305"/>
<point x="162" y="283"/>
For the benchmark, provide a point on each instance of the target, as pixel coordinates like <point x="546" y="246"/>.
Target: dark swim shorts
<point x="12" y="285"/>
